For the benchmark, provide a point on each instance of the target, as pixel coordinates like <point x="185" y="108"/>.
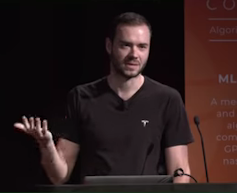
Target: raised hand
<point x="36" y="129"/>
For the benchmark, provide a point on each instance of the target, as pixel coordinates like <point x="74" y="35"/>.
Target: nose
<point x="134" y="52"/>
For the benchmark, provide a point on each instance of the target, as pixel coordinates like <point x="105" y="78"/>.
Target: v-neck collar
<point x="132" y="97"/>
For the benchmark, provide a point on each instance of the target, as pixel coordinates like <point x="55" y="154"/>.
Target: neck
<point x="124" y="87"/>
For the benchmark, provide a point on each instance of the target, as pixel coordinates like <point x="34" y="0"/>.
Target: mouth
<point x="131" y="64"/>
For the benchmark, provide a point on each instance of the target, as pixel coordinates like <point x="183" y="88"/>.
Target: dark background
<point x="47" y="48"/>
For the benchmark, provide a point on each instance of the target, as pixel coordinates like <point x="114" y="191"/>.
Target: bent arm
<point x="177" y="157"/>
<point x="58" y="161"/>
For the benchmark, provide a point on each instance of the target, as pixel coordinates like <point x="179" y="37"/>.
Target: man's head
<point x="128" y="44"/>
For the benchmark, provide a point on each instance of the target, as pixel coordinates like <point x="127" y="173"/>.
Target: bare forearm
<point x="54" y="165"/>
<point x="177" y="157"/>
<point x="183" y="178"/>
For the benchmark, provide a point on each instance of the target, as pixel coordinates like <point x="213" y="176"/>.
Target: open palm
<point x="36" y="129"/>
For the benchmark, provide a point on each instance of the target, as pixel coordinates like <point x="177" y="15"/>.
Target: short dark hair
<point x="127" y="18"/>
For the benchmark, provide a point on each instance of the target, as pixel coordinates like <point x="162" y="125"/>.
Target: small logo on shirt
<point x="145" y="122"/>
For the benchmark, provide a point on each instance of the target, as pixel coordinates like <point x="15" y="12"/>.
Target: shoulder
<point x="88" y="89"/>
<point x="162" y="91"/>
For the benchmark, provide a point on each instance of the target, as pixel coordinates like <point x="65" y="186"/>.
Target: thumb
<point x="19" y="126"/>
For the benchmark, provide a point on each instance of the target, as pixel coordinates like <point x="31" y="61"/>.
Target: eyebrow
<point x="125" y="42"/>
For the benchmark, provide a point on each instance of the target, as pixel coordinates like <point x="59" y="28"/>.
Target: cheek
<point x="145" y="56"/>
<point x="120" y="54"/>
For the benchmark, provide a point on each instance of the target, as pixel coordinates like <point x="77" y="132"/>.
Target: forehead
<point x="140" y="33"/>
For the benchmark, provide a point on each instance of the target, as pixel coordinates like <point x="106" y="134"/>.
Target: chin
<point x="131" y="75"/>
<point x="128" y="74"/>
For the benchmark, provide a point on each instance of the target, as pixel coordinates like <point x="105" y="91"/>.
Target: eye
<point x="142" y="46"/>
<point x="125" y="45"/>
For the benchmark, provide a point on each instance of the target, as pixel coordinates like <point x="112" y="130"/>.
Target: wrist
<point x="46" y="144"/>
<point x="181" y="179"/>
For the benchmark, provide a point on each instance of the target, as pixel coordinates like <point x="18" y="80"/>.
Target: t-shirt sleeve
<point x="177" y="129"/>
<point x="71" y="124"/>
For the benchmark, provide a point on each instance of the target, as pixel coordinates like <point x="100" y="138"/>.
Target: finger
<point x="25" y="122"/>
<point x="38" y="124"/>
<point x="20" y="126"/>
<point x="45" y="127"/>
<point x="32" y="124"/>
<point x="38" y="129"/>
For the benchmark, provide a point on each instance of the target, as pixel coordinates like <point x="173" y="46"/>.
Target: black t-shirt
<point x="118" y="137"/>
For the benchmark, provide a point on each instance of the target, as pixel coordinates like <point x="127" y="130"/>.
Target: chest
<point x="106" y="125"/>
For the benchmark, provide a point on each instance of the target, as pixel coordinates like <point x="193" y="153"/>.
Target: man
<point x="120" y="124"/>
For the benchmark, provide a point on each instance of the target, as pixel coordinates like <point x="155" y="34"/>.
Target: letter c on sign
<point x="209" y="7"/>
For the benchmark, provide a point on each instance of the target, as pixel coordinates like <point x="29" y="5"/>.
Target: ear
<point x="108" y="45"/>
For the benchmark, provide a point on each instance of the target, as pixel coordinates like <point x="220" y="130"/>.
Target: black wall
<point x="49" y="47"/>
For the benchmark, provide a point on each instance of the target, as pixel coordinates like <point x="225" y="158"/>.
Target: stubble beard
<point x="118" y="69"/>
